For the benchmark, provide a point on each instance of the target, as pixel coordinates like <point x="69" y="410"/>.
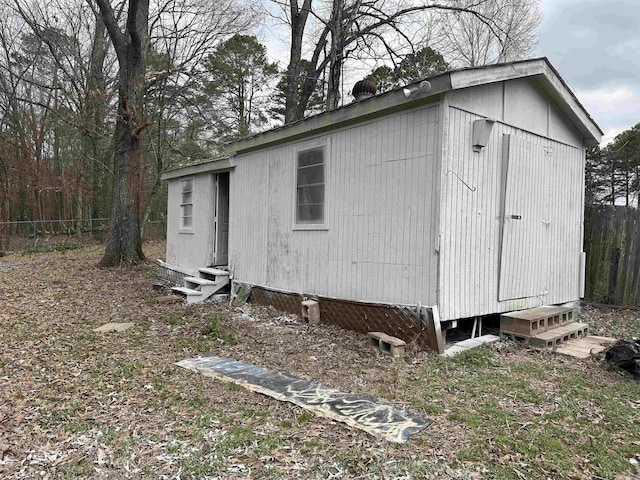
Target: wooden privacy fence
<point x="612" y="244"/>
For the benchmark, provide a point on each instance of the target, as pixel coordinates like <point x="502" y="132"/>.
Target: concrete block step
<point x="534" y="321"/>
<point x="559" y="335"/>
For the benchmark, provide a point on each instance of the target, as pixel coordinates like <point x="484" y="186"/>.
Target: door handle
<point x="515" y="217"/>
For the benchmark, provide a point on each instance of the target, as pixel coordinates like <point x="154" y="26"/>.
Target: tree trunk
<point x="298" y="23"/>
<point x="335" y="55"/>
<point x="124" y="244"/>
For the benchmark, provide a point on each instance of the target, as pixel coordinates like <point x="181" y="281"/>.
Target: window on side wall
<point x="310" y="188"/>
<point x="186" y="204"/>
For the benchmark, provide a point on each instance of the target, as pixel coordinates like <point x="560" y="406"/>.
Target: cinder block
<point x="387" y="344"/>
<point x="535" y="321"/>
<point x="523" y="326"/>
<point x="560" y="335"/>
<point x="311" y="312"/>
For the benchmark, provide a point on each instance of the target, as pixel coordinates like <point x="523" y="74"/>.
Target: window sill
<point x="187" y="231"/>
<point x="310" y="227"/>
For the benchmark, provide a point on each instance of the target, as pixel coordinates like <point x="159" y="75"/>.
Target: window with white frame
<point x="310" y="187"/>
<point x="186" y="204"/>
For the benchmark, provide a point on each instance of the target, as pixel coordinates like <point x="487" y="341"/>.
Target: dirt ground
<point x="75" y="403"/>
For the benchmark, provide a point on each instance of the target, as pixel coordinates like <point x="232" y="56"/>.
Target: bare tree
<point x="124" y="244"/>
<point x="466" y="41"/>
<point x="348" y="26"/>
<point x="182" y="33"/>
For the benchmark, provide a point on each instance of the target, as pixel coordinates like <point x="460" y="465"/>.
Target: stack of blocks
<point x="545" y="326"/>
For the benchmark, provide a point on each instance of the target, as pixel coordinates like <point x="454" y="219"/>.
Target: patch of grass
<point x="237" y="437"/>
<point x="196" y="403"/>
<point x="270" y="472"/>
<point x="173" y="319"/>
<point x="197" y="344"/>
<point x="128" y="370"/>
<point x="312" y="445"/>
<point x="76" y="427"/>
<point x="286" y="424"/>
<point x="49" y="247"/>
<point x="214" y="330"/>
<point x="4" y="371"/>
<point x="198" y="465"/>
<point x="526" y="417"/>
<point x="76" y="470"/>
<point x="108" y="436"/>
<point x="305" y="417"/>
<point x="149" y="472"/>
<point x="268" y="444"/>
<point x="250" y="413"/>
<point x="429" y="408"/>
<point x="234" y="387"/>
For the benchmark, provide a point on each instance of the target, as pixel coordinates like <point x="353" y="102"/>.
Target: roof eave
<point x="217" y="165"/>
<point x="353" y="113"/>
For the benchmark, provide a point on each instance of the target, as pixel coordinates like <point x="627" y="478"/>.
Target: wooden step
<point x="214" y="272"/>
<point x="585" y="347"/>
<point x="190" y="295"/>
<point x="198" y="281"/>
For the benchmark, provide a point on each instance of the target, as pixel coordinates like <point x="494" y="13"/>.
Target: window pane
<point x="187" y="185"/>
<point x="310" y="157"/>
<point x="310" y="175"/>
<point x="311" y="195"/>
<point x="310" y="214"/>
<point x="186" y="197"/>
<point x="187" y="210"/>
<point x="187" y="221"/>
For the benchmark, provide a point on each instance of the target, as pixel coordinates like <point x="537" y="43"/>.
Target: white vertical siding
<point x="521" y="103"/>
<point x="380" y="244"/>
<point x="190" y="250"/>
<point x="471" y="221"/>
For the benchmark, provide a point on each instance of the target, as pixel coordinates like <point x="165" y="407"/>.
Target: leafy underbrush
<point x="50" y="247"/>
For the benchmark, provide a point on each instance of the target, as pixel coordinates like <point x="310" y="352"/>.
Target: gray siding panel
<point x="471" y="223"/>
<point x="380" y="242"/>
<point x="521" y="103"/>
<point x="190" y="250"/>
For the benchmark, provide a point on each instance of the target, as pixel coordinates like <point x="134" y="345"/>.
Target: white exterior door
<point x="220" y="238"/>
<point x="526" y="223"/>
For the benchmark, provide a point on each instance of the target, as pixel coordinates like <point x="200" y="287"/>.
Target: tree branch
<point x="117" y="37"/>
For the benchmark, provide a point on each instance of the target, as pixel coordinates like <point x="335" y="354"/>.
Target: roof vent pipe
<point x="424" y="87"/>
<point x="364" y="89"/>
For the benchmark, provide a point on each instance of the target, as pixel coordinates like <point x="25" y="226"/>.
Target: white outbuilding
<point x="464" y="192"/>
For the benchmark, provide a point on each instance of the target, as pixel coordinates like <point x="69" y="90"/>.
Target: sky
<point x="595" y="46"/>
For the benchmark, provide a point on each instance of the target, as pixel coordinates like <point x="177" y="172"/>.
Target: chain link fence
<point x="18" y="234"/>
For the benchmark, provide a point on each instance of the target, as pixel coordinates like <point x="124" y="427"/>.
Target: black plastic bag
<point x="626" y="355"/>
